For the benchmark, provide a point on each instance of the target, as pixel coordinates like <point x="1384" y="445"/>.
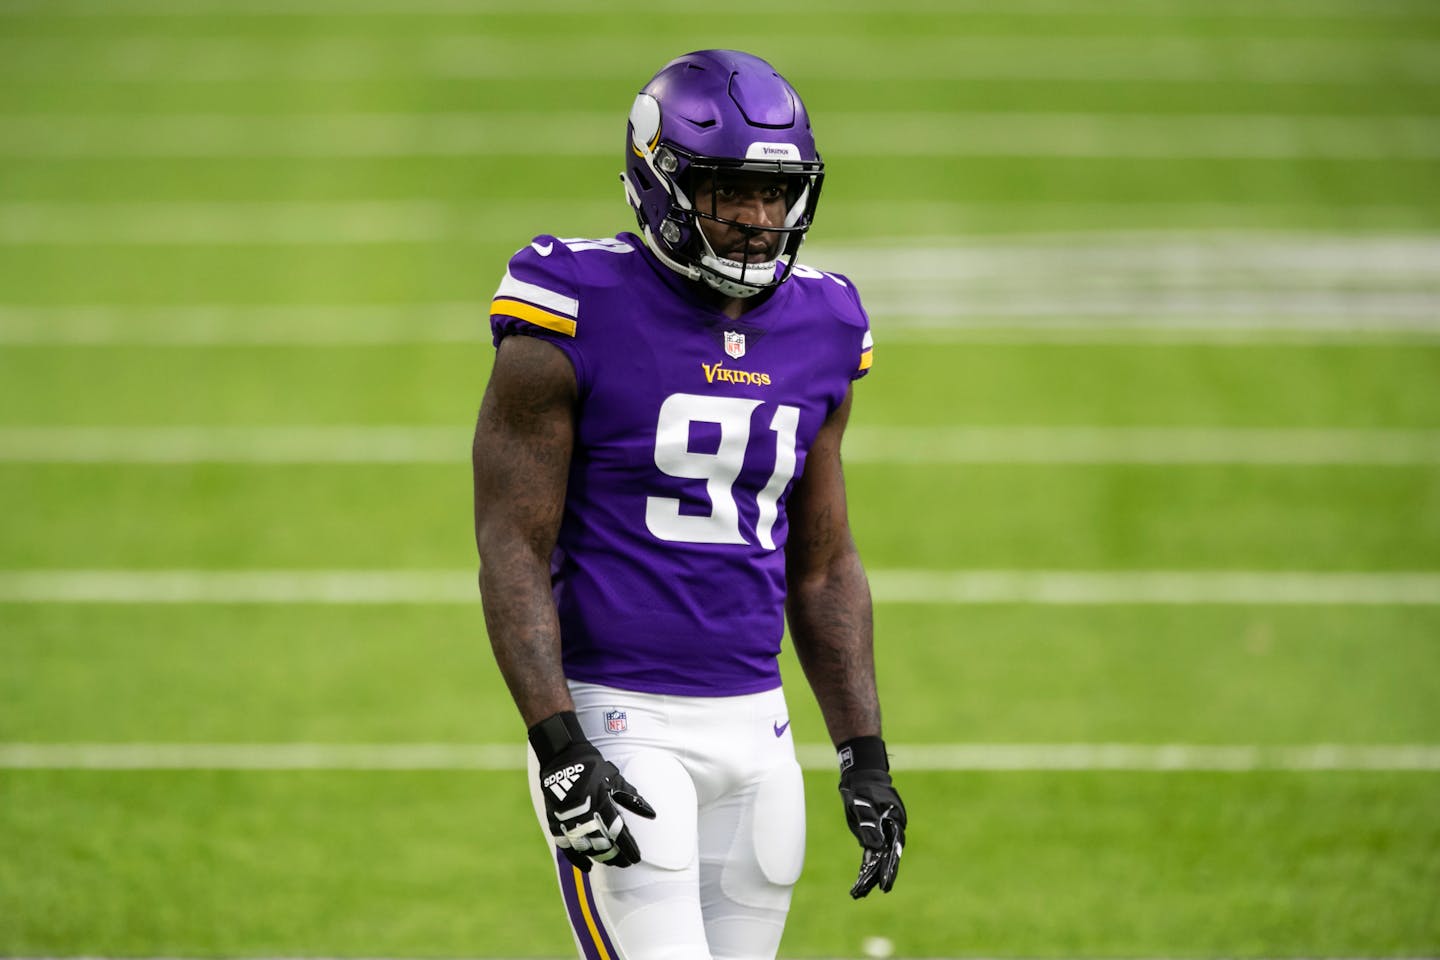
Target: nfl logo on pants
<point x="615" y="721"/>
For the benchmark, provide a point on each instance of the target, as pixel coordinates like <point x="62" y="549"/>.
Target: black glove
<point x="581" y="790"/>
<point x="874" y="811"/>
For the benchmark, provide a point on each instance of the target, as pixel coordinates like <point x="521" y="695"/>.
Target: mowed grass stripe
<point x="989" y="194"/>
<point x="924" y="383"/>
<point x="1091" y="59"/>
<point x="285" y="223"/>
<point x="1338" y="284"/>
<point x="930" y="757"/>
<point x="236" y="324"/>
<point x="1193" y="331"/>
<point x="1251" y="321"/>
<point x="389" y="863"/>
<point x="1259" y="675"/>
<point x="1197" y="236"/>
<point x="955" y="587"/>
<point x="890" y="444"/>
<point x="914" y="134"/>
<point x="1282" y="9"/>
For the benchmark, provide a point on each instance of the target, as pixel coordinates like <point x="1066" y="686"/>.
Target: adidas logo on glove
<point x="561" y="782"/>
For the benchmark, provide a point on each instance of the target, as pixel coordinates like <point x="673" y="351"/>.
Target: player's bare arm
<point x="521" y="458"/>
<point x="833" y="632"/>
<point x="524" y="437"/>
<point x="829" y="600"/>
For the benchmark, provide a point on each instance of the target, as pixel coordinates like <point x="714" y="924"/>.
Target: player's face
<point x="757" y="199"/>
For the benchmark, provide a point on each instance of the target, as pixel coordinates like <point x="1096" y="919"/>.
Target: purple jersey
<point x="669" y="569"/>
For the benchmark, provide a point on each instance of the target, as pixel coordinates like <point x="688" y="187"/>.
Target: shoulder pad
<point x="837" y="291"/>
<point x="843" y="299"/>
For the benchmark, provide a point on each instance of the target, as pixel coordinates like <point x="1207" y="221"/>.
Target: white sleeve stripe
<point x="868" y="342"/>
<point x="541" y="297"/>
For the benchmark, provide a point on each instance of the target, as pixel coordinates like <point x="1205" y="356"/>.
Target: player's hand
<point x="874" y="812"/>
<point x="583" y="793"/>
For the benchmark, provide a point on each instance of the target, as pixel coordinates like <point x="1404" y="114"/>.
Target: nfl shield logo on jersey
<point x="615" y="721"/>
<point x="734" y="344"/>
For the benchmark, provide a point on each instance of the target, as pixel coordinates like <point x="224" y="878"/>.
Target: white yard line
<point x="1334" y="308"/>
<point x="934" y="320"/>
<point x="1225" y="282"/>
<point x="957" y="134"/>
<point x="884" y="445"/>
<point x="1275" y="253"/>
<point x="338" y="444"/>
<point x="982" y="240"/>
<point x="1163" y="587"/>
<point x="246" y="324"/>
<point x="951" y="757"/>
<point x="228" y="325"/>
<point x="1138" y="445"/>
<point x="1223" y="286"/>
<point x="1175" y="331"/>
<point x="944" y="587"/>
<point x="924" y="307"/>
<point x="366" y="222"/>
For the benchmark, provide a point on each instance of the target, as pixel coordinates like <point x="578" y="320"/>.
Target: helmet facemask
<point x="694" y="185"/>
<point x="730" y="270"/>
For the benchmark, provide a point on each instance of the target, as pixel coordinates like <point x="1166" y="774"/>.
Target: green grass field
<point x="1198" y="218"/>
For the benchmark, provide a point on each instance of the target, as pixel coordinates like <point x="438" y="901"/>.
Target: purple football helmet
<point x="708" y="113"/>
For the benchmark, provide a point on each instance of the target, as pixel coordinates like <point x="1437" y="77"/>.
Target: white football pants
<point x="726" y="846"/>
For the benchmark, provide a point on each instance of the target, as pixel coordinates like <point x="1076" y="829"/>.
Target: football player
<point x="657" y="488"/>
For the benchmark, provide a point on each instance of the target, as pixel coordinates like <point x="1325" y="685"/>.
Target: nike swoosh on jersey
<point x="543" y="251"/>
<point x="780" y="728"/>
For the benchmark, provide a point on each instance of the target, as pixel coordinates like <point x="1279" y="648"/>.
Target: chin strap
<point x="688" y="272"/>
<point x="721" y="275"/>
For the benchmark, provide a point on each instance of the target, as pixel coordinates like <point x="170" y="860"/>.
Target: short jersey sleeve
<point x="538" y="296"/>
<point x="867" y="351"/>
<point x="858" y="320"/>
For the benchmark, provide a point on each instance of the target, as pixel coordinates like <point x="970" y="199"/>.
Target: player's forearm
<point x="833" y="632"/>
<point x="521" y="457"/>
<point x="524" y="630"/>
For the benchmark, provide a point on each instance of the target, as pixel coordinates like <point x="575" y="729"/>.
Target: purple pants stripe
<point x="575" y="887"/>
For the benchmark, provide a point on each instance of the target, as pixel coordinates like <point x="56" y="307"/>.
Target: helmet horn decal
<point x="644" y="125"/>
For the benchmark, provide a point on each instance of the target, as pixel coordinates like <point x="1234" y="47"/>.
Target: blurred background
<point x="1147" y="473"/>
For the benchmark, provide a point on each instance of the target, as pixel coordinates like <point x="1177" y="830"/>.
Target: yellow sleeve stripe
<point x="866" y="358"/>
<point x="532" y="314"/>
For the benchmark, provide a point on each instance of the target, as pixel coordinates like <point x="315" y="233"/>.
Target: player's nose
<point x="754" y="209"/>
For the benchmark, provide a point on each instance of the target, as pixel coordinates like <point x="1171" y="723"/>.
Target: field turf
<point x="1087" y="216"/>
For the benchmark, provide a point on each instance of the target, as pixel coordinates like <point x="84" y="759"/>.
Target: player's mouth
<point x="753" y="251"/>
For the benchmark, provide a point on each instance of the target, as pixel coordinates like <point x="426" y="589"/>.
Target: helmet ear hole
<point x="637" y="173"/>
